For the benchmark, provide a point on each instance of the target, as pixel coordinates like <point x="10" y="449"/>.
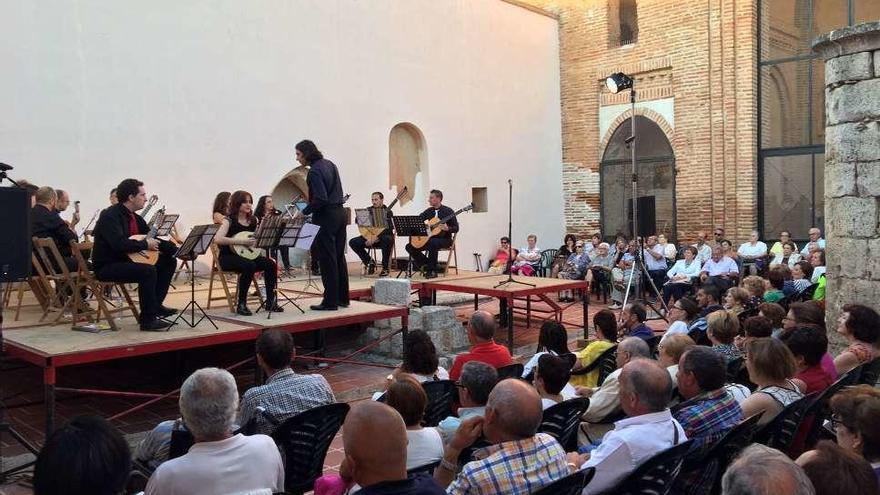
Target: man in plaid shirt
<point x="285" y="393"/>
<point x="519" y="459"/>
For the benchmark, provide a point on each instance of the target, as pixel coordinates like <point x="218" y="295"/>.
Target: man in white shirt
<point x="219" y="462"/>
<point x="815" y="236"/>
<point x="645" y="390"/>
<point x="655" y="262"/>
<point x="720" y="270"/>
<point x="704" y="251"/>
<point x="753" y="254"/>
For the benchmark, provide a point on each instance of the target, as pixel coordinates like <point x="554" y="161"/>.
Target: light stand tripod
<point x="510" y="279"/>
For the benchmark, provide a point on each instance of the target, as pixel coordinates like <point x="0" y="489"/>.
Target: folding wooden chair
<point x="375" y="255"/>
<point x="62" y="297"/>
<point x="218" y="274"/>
<point x="452" y="255"/>
<point x="36" y="284"/>
<point x="85" y="279"/>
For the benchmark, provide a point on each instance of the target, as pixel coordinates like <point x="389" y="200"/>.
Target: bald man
<point x="374" y="437"/>
<point x="481" y="334"/>
<point x="520" y="460"/>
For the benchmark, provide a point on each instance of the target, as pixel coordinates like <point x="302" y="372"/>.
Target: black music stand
<point x="291" y="234"/>
<point x="267" y="236"/>
<point x="409" y="226"/>
<point x="195" y="245"/>
<point x="167" y="224"/>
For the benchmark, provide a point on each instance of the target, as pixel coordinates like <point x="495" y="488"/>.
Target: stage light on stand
<point x="618" y="82"/>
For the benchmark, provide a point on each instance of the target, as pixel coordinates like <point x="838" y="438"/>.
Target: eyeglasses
<point x="459" y="385"/>
<point x="834" y="422"/>
<point x="719" y="233"/>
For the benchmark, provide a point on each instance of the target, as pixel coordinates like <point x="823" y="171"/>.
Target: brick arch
<point x="644" y="112"/>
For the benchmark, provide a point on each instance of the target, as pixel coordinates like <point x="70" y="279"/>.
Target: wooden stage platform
<point x="52" y="347"/>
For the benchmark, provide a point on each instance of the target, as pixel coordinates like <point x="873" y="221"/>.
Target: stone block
<point x="853" y="142"/>
<point x="868" y="178"/>
<point x="855" y="67"/>
<point x="872" y="265"/>
<point x="392" y="291"/>
<point x="850" y="255"/>
<point x="438" y="318"/>
<point x="877" y="63"/>
<point x="840" y="179"/>
<point x="416" y="319"/>
<point x="852" y="216"/>
<point x="853" y="102"/>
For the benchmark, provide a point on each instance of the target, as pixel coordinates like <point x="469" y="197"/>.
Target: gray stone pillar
<point x="852" y="166"/>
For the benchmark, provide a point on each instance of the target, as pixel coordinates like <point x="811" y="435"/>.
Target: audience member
<point x="760" y="470"/>
<point x="574" y="268"/>
<point x="788" y="287"/>
<point x="87" y="456"/>
<point x="682" y="314"/>
<point x="728" y="251"/>
<point x="605" y="327"/>
<point x="669" y="249"/>
<point x="632" y="322"/>
<point x="568" y="247"/>
<point x="719" y="235"/>
<point x="788" y="256"/>
<point x="655" y="262"/>
<point x="808" y="345"/>
<point x="835" y="470"/>
<point x="601" y="264"/>
<point x="736" y="300"/>
<point x="775" y="283"/>
<point x="671" y="349"/>
<point x="553" y="339"/>
<point x="219" y="462"/>
<point x="753" y="254"/>
<point x="551" y="376"/>
<point x="375" y="440"/>
<point x="808" y="313"/>
<point x="707" y="299"/>
<point x="622" y="274"/>
<point x="719" y="270"/>
<point x="704" y="250"/>
<point x="406" y="396"/>
<point x="501" y="262"/>
<point x="649" y="428"/>
<point x="784" y="237"/>
<point x="817" y="259"/>
<point x="754" y="327"/>
<point x="771" y="367"/>
<point x="527" y="258"/>
<point x="755" y="286"/>
<point x="285" y="393"/>
<point x="474" y="385"/>
<point x="481" y="335"/>
<point x="722" y="328"/>
<point x="860" y="326"/>
<point x="801" y="273"/>
<point x="775" y="313"/>
<point x="854" y="420"/>
<point x="681" y="276"/>
<point x="518" y="460"/>
<point x="816" y="237"/>
<point x="420" y="357"/>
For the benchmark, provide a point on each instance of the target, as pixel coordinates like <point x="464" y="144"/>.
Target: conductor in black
<point x="325" y="206"/>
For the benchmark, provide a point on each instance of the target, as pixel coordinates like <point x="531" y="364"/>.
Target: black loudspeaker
<point x="15" y="243"/>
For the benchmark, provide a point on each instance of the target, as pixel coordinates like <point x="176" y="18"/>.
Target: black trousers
<point x="658" y="277"/>
<point x="676" y="290"/>
<point x="246" y="269"/>
<point x="434" y="244"/>
<point x="329" y="248"/>
<point x="153" y="280"/>
<point x="385" y="242"/>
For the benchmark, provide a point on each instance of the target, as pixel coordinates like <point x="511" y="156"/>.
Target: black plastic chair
<point x="780" y="432"/>
<point x="734" y="366"/>
<point x="743" y="315"/>
<point x="606" y="363"/>
<point x="182" y="439"/>
<point x="441" y="397"/>
<point x="547" y="257"/>
<point x="562" y="420"/>
<point x="655" y="476"/>
<point x="514" y="370"/>
<point x="425" y="468"/>
<point x="870" y="372"/>
<point x="304" y="440"/>
<point x="572" y="484"/>
<point x="820" y="410"/>
<point x="653" y="342"/>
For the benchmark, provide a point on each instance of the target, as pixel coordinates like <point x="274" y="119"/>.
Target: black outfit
<point x="245" y="268"/>
<point x="282" y="251"/>
<point x="325" y="205"/>
<point x="112" y="264"/>
<point x="46" y="223"/>
<point x="436" y="243"/>
<point x="385" y="242"/>
<point x="416" y="484"/>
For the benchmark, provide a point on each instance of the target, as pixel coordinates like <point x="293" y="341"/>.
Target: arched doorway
<point x="655" y="167"/>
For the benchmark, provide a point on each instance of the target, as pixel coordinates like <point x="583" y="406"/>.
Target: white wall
<point x="196" y="97"/>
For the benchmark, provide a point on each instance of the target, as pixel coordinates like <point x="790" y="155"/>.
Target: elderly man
<point x="605" y="400"/>
<point x="655" y="262"/>
<point x="219" y="462"/>
<point x="481" y="335"/>
<point x="815" y="237"/>
<point x="720" y="270"/>
<point x="671" y="349"/>
<point x="285" y="393"/>
<point x="520" y="460"/>
<point x="632" y="322"/>
<point x="474" y="386"/>
<point x="704" y="251"/>
<point x="645" y="389"/>
<point x="753" y="254"/>
<point x="760" y="470"/>
<point x="374" y="437"/>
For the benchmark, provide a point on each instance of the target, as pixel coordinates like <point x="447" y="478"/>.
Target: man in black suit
<point x="440" y="241"/>
<point x="112" y="247"/>
<point x="45" y="223"/>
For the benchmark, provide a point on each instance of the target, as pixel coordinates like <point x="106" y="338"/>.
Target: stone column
<point x="852" y="166"/>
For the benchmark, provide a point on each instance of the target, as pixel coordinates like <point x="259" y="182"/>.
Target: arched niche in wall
<point x="408" y="162"/>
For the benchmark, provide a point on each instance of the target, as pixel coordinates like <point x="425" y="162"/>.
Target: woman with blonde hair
<point x="736" y="300"/>
<point x="771" y="367"/>
<point x="722" y="328"/>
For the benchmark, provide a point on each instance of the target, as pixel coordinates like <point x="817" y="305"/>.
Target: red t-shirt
<point x="816" y="378"/>
<point x="493" y="354"/>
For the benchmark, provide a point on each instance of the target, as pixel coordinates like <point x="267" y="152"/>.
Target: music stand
<point x="291" y="234"/>
<point x="267" y="236"/>
<point x="307" y="235"/>
<point x="409" y="226"/>
<point x="195" y="245"/>
<point x="167" y="224"/>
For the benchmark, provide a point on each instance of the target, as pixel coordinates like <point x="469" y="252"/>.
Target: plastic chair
<point x="425" y="468"/>
<point x="570" y="485"/>
<point x="441" y="397"/>
<point x="870" y="372"/>
<point x="547" y="257"/>
<point x="820" y="410"/>
<point x="733" y="368"/>
<point x="606" y="363"/>
<point x="654" y="476"/>
<point x="514" y="370"/>
<point x="780" y="432"/>
<point x="562" y="420"/>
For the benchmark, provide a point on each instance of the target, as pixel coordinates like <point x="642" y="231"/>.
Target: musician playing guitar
<point x="439" y="241"/>
<point x="110" y="255"/>
<point x="383" y="241"/>
<point x="240" y="218"/>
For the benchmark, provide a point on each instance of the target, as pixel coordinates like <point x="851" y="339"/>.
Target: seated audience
<point x="601" y="263"/>
<point x="771" y="367"/>
<point x="420" y="357"/>
<point x="708" y="301"/>
<point x="371" y="428"/>
<point x="728" y="250"/>
<point x="632" y="322"/>
<point x="219" y="462"/>
<point x="671" y="348"/>
<point x="755" y="286"/>
<point x="87" y="456"/>
<point x="476" y="382"/>
<point x="481" y="334"/>
<point x="754" y="327"/>
<point x="655" y="262"/>
<point x="406" y="396"/>
<point x="787" y="256"/>
<point x="778" y="246"/>
<point x="722" y="328"/>
<point x="776" y="314"/>
<point x="669" y="249"/>
<point x="801" y="273"/>
<point x="649" y="428"/>
<point x="760" y="470"/>
<point x="565" y="250"/>
<point x="808" y="345"/>
<point x="551" y="376"/>
<point x="860" y="326"/>
<point x="605" y="327"/>
<point x="817" y="259"/>
<point x="808" y="313"/>
<point x="682" y="314"/>
<point x="519" y="459"/>
<point x="681" y="276"/>
<point x="753" y="254"/>
<point x="835" y="470"/>
<point x="736" y="300"/>
<point x="575" y="268"/>
<point x="815" y="237"/>
<point x="528" y="258"/>
<point x="553" y="339"/>
<point x="285" y="393"/>
<point x="704" y="250"/>
<point x="719" y="270"/>
<point x="621" y="275"/>
<point x="854" y="420"/>
<point x="502" y="257"/>
<point x="775" y="283"/>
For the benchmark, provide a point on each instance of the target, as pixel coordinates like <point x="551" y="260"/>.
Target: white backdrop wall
<point x="196" y="97"/>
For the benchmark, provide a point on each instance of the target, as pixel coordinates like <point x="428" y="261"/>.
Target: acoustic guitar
<point x="434" y="224"/>
<point x="147" y="257"/>
<point x="371" y="234"/>
<point x="246" y="252"/>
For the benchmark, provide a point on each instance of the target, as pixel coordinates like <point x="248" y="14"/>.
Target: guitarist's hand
<point x="152" y="244"/>
<point x="444" y="228"/>
<point x="368" y="243"/>
<point x="250" y="242"/>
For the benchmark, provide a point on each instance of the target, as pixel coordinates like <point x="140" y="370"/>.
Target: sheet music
<point x="307" y="236"/>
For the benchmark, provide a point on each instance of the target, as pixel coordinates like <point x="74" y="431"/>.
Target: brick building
<point x="729" y="112"/>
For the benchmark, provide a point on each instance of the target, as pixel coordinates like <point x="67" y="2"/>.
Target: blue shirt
<point x="642" y="331"/>
<point x="654" y="264"/>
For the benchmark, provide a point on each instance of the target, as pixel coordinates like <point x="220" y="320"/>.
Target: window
<point x="623" y="22"/>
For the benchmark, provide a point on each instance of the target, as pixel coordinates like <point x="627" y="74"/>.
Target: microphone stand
<point x="510" y="279"/>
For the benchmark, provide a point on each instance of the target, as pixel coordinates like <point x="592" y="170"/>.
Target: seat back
<point x="514" y="370"/>
<point x="304" y="440"/>
<point x="655" y="475"/>
<point x="562" y="420"/>
<point x="570" y="485"/>
<point x="780" y="432"/>
<point x="547" y="257"/>
<point x="441" y="397"/>
<point x="870" y="373"/>
<point x="425" y="468"/>
<point x="607" y="363"/>
<point x="820" y="410"/>
<point x="733" y="368"/>
<point x="55" y="269"/>
<point x="743" y="315"/>
<point x="453" y="255"/>
<point x="653" y="342"/>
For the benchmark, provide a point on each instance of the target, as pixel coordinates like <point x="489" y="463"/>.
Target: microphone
<point x="4" y="167"/>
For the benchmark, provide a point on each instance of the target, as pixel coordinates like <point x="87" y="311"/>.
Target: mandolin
<point x="246" y="252"/>
<point x="147" y="257"/>
<point x="371" y="234"/>
<point x="434" y="224"/>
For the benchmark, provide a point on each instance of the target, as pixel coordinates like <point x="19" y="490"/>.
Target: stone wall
<point x="852" y="168"/>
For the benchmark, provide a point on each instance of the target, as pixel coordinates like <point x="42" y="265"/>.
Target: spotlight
<point x="618" y="81"/>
